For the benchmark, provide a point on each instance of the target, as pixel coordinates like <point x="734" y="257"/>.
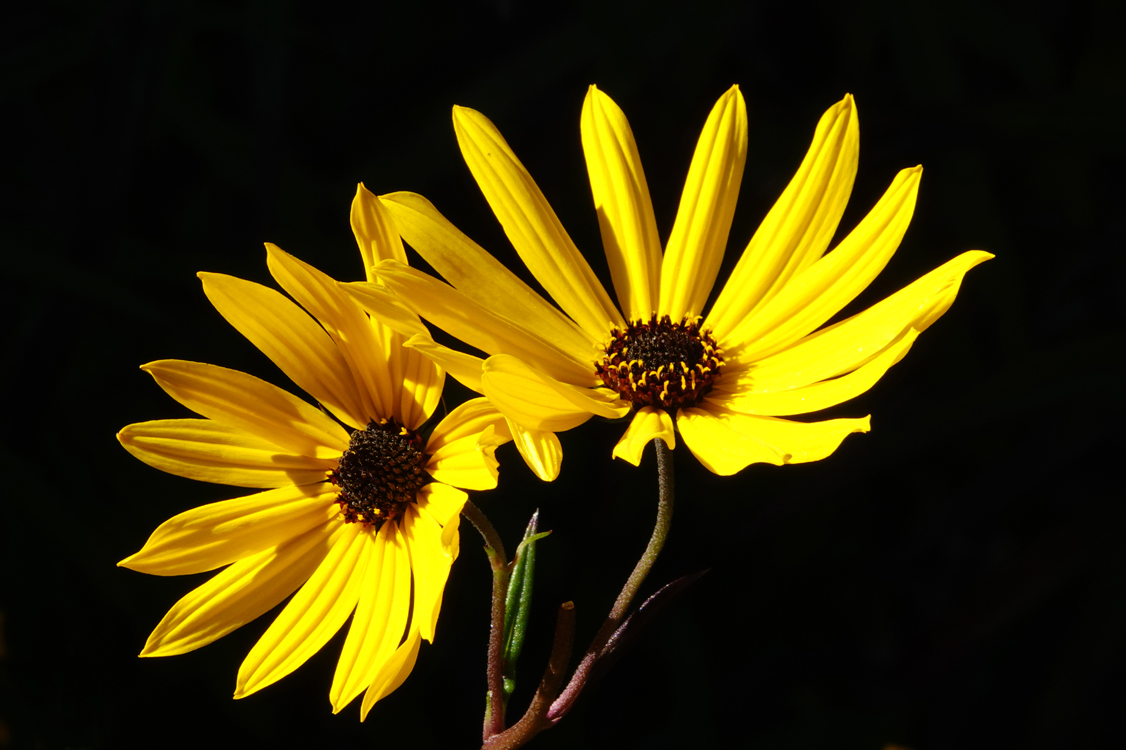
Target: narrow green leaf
<point x="518" y="600"/>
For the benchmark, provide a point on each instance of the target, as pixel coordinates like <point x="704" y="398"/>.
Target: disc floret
<point x="661" y="363"/>
<point x="380" y="473"/>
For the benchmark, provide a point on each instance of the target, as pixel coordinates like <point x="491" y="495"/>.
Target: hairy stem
<point x="666" y="488"/>
<point x="494" y="548"/>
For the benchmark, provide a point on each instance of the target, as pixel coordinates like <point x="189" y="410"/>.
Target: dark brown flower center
<point x="660" y="363"/>
<point x="380" y="473"/>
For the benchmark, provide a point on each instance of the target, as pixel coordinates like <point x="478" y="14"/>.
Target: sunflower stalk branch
<point x="494" y="550"/>
<point x="598" y="647"/>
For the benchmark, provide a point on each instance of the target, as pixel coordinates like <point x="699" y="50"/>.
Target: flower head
<point x="357" y="513"/>
<point x="726" y="375"/>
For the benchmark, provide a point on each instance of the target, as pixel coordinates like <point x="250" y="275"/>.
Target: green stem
<point x="666" y="489"/>
<point x="494" y="548"/>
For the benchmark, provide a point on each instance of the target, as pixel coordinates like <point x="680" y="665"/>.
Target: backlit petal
<point x="823" y="289"/>
<point x="647" y="425"/>
<point x="207" y="451"/>
<point x="385" y="307"/>
<point x="741" y="394"/>
<point x="380" y="618"/>
<point x="531" y="224"/>
<point x="849" y="344"/>
<point x="374" y="230"/>
<point x="366" y="353"/>
<point x="800" y="225"/>
<point x="241" y="592"/>
<point x="621" y="199"/>
<point x="419" y="379"/>
<point x="703" y="220"/>
<point x="539" y="402"/>
<point x="218" y="534"/>
<point x="480" y="276"/>
<point x="393" y="673"/>
<point x="291" y="339"/>
<point x="458" y="456"/>
<point x="540" y="450"/>
<point x="465" y="368"/>
<point x="246" y="403"/>
<point x="430" y="563"/>
<point x="313" y="615"/>
<point x="725" y="441"/>
<point x="479" y="326"/>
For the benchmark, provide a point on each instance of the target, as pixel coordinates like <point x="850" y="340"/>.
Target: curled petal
<point x="647" y="425"/>
<point x="726" y="442"/>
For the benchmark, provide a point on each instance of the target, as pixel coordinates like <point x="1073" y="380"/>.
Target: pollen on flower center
<point x="661" y="363"/>
<point x="380" y="473"/>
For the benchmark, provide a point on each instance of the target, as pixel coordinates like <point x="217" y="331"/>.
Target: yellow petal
<point x="241" y="592"/>
<point x="375" y="231"/>
<point x="393" y="673"/>
<point x="703" y="220"/>
<point x="420" y="380"/>
<point x="218" y="534"/>
<point x="726" y="442"/>
<point x="291" y="339"/>
<point x="647" y="425"/>
<point x="742" y="394"/>
<point x="380" y="619"/>
<point x="359" y="342"/>
<point x="430" y="564"/>
<point x="465" y="368"/>
<point x="385" y="307"/>
<point x="458" y="456"/>
<point x="849" y="344"/>
<point x="531" y="224"/>
<point x="625" y="211"/>
<point x="480" y="276"/>
<point x="208" y="451"/>
<point x="537" y="401"/>
<point x="245" y="403"/>
<point x="313" y="615"/>
<point x="480" y="327"/>
<point x="540" y="450"/>
<point x="443" y="504"/>
<point x="823" y="289"/>
<point x="800" y="225"/>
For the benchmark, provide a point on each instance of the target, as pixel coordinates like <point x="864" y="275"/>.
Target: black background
<point x="954" y="579"/>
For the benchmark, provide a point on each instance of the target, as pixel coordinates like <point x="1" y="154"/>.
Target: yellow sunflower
<point x="725" y="377"/>
<point x="357" y="515"/>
